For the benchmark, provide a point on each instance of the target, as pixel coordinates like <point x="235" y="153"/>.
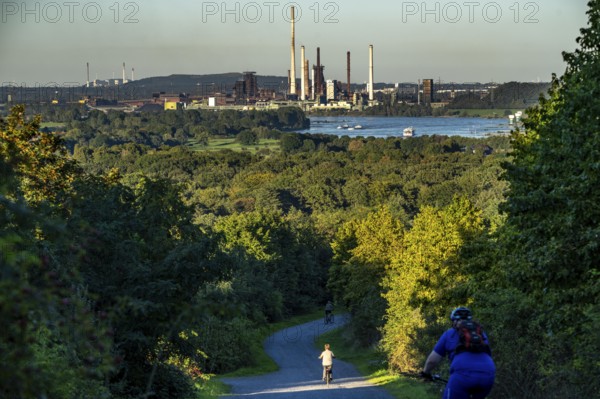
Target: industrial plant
<point x="312" y="90"/>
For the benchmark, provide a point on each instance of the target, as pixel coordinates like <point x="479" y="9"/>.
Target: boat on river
<point x="348" y="127"/>
<point x="409" y="131"/>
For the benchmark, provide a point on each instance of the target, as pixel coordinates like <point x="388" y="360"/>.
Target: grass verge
<point x="371" y="364"/>
<point x="214" y="388"/>
<point x="52" y="125"/>
<point x="211" y="388"/>
<point x="264" y="364"/>
<point x="218" y="144"/>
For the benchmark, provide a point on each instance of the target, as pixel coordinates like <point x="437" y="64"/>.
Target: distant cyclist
<point x="327" y="356"/>
<point x="472" y="372"/>
<point x="328" y="311"/>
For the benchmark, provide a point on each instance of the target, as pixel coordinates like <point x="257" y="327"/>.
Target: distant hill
<point x="224" y="82"/>
<point x="199" y="84"/>
<point x="512" y="95"/>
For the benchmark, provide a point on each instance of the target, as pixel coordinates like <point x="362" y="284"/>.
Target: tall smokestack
<point x="88" y="75"/>
<point x="371" y="75"/>
<point x="124" y="78"/>
<point x="348" y="62"/>
<point x="132" y="74"/>
<point x="306" y="80"/>
<point x="293" y="66"/>
<point x="314" y="84"/>
<point x="313" y="87"/>
<point x="318" y="82"/>
<point x="303" y="73"/>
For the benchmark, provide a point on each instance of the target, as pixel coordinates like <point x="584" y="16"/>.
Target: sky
<point x="50" y="42"/>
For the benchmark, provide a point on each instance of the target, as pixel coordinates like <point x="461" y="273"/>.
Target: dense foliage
<point x="110" y="290"/>
<point x="93" y="128"/>
<point x="179" y="256"/>
<point x="424" y="279"/>
<point x="322" y="175"/>
<point x="362" y="248"/>
<point x="133" y="269"/>
<point x="534" y="280"/>
<point x="548" y="250"/>
<point x="51" y="344"/>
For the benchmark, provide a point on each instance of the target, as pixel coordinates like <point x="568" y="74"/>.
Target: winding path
<point x="299" y="376"/>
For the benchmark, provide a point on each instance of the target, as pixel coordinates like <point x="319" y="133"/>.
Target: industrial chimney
<point x="124" y="77"/>
<point x="348" y="62"/>
<point x="293" y="61"/>
<point x="320" y="77"/>
<point x="318" y="72"/>
<point x="306" y="80"/>
<point x="88" y="75"/>
<point x="303" y="74"/>
<point x="314" y="88"/>
<point x="371" y="75"/>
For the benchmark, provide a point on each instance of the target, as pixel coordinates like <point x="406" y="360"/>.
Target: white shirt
<point x="327" y="357"/>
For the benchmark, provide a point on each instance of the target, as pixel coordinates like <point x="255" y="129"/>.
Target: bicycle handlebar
<point x="426" y="376"/>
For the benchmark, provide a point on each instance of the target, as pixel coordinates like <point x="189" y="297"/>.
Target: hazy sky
<point x="455" y="41"/>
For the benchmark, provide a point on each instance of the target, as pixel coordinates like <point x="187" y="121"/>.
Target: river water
<point x="394" y="126"/>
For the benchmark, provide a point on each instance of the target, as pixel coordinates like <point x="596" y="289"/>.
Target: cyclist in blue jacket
<point x="471" y="374"/>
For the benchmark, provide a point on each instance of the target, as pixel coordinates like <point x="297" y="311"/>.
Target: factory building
<point x="332" y="90"/>
<point x="247" y="87"/>
<point x="173" y="105"/>
<point x="427" y="91"/>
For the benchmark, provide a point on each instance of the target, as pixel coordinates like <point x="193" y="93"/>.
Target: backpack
<point x="471" y="338"/>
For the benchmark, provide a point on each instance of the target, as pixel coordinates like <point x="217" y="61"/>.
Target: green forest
<point x="136" y="265"/>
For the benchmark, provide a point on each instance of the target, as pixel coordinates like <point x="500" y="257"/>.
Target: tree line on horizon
<point x="82" y="128"/>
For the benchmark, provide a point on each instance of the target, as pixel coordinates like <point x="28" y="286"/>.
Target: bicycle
<point x="329" y="318"/>
<point x="328" y="375"/>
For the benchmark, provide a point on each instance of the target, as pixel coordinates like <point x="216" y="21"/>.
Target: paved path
<point x="300" y="373"/>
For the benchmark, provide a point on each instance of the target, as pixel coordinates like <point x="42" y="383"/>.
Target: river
<point x="394" y="126"/>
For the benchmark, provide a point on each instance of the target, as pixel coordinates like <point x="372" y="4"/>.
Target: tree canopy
<point x="137" y="266"/>
<point x="549" y="245"/>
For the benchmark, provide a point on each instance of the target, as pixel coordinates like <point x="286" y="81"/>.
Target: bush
<point x="247" y="137"/>
<point x="226" y="344"/>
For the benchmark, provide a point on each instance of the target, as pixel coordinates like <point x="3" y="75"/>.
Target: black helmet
<point x="461" y="313"/>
